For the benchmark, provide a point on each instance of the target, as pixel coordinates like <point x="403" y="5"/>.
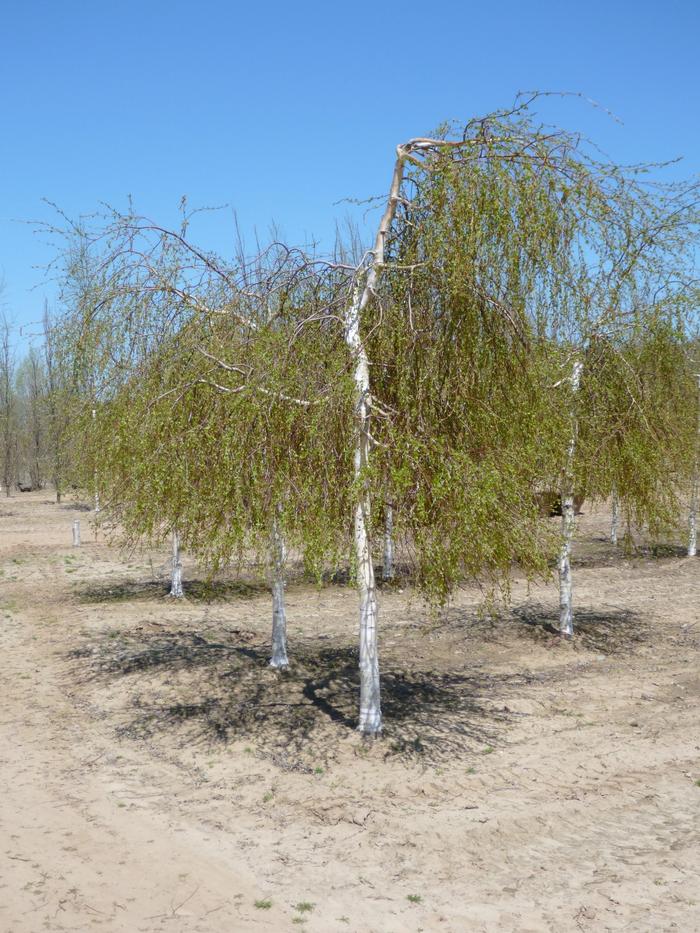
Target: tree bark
<point x="279" y="659"/>
<point x="388" y="563"/>
<point x="615" y="518"/>
<point x="568" y="522"/>
<point x="176" y="589"/>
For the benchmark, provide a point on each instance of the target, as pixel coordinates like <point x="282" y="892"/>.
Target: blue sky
<point x="281" y="110"/>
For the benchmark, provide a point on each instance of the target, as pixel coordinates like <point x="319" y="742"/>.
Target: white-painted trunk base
<point x="566" y="617"/>
<point x="279" y="659"/>
<point x="568" y="521"/>
<point x="615" y="517"/>
<point x="176" y="589"/>
<point x="370" y="722"/>
<point x="693" y="524"/>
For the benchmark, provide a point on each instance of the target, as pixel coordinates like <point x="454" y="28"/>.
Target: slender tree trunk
<point x="388" y="563"/>
<point x="97" y="491"/>
<point x="566" y="619"/>
<point x="370" y="723"/>
<point x="568" y="522"/>
<point x="370" y="700"/>
<point x="176" y="589"/>
<point x="615" y="518"/>
<point x="57" y="474"/>
<point x="7" y="405"/>
<point x="695" y="491"/>
<point x="693" y="521"/>
<point x="279" y="659"/>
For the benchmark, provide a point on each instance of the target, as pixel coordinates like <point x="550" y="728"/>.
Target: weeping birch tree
<point x="223" y="400"/>
<point x="504" y="247"/>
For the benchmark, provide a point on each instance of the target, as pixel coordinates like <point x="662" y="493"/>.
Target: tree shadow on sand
<point x="402" y="574"/>
<point x="594" y="552"/>
<point x="610" y="631"/>
<point x="222" y="689"/>
<point x="195" y="590"/>
<point x="662" y="551"/>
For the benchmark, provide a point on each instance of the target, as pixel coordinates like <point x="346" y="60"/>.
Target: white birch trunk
<point x="370" y="700"/>
<point x="370" y="722"/>
<point x="388" y="563"/>
<point x="279" y="658"/>
<point x="566" y="619"/>
<point x="615" y="518"/>
<point x="176" y="589"/>
<point x="568" y="522"/>
<point x="76" y="533"/>
<point x="695" y="492"/>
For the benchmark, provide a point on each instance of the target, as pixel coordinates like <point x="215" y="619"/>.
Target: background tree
<point x="32" y="419"/>
<point x="8" y="407"/>
<point x="60" y="401"/>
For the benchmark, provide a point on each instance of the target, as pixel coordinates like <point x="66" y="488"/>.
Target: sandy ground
<point x="156" y="775"/>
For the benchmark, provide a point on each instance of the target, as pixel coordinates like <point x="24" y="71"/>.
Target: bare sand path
<point x="155" y="775"/>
